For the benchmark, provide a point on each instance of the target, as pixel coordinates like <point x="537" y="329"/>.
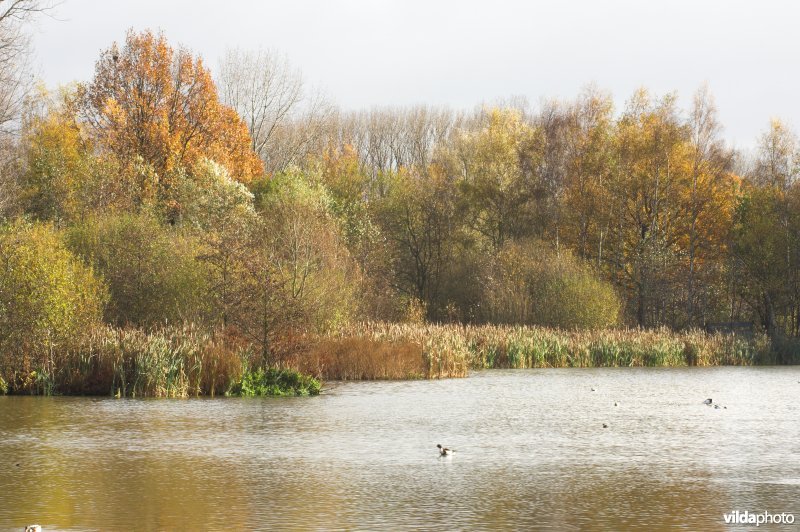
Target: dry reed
<point x="451" y="350"/>
<point x="359" y="358"/>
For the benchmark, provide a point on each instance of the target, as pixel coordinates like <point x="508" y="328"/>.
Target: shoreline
<point x="186" y="361"/>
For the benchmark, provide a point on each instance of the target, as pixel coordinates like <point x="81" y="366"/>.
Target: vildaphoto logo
<point x="758" y="518"/>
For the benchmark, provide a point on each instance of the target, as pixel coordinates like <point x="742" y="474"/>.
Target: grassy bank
<point x="181" y="361"/>
<point x="451" y="350"/>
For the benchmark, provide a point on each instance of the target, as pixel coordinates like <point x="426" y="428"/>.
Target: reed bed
<point x="186" y="360"/>
<point x="179" y="361"/>
<point x="451" y="350"/>
<point x="174" y="361"/>
<point x="360" y="358"/>
<point x="434" y="355"/>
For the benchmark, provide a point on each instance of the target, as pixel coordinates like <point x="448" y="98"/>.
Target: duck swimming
<point x="444" y="451"/>
<point x="707" y="402"/>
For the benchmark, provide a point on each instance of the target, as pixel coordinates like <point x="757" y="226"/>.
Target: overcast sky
<point x="461" y="53"/>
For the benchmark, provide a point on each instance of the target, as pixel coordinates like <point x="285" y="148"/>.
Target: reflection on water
<point x="531" y="452"/>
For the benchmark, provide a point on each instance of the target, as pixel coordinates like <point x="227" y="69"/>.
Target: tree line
<point x="156" y="193"/>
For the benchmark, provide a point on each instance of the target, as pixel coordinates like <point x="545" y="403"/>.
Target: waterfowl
<point x="605" y="425"/>
<point x="444" y="451"/>
<point x="616" y="403"/>
<point x="707" y="402"/>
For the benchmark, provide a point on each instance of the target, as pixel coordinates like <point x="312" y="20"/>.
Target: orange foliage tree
<point x="150" y="101"/>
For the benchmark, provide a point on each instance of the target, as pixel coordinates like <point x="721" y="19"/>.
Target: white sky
<point x="463" y="52"/>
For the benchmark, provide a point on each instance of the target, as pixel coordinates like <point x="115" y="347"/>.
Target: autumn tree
<point x="767" y="232"/>
<point x="150" y="101"/>
<point x="709" y="202"/>
<point x="551" y="167"/>
<point x="56" y="159"/>
<point x="298" y="275"/>
<point x="495" y="170"/>
<point x="308" y="251"/>
<point x="220" y="211"/>
<point x="652" y="170"/>
<point x="588" y="168"/>
<point x="60" y="175"/>
<point x="420" y="217"/>
<point x="340" y="173"/>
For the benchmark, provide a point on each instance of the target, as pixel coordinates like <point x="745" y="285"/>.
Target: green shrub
<point x="530" y="284"/>
<point x="275" y="382"/>
<point x="150" y="269"/>
<point x="48" y="300"/>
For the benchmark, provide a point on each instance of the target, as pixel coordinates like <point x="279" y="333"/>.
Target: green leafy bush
<point x="150" y="269"/>
<point x="275" y="382"/>
<point x="48" y="300"/>
<point x="530" y="284"/>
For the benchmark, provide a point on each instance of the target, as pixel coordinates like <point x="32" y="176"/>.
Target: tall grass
<point x="451" y="350"/>
<point x="173" y="361"/>
<point x="421" y="350"/>
<point x="360" y="358"/>
<point x="183" y="361"/>
<point x="177" y="361"/>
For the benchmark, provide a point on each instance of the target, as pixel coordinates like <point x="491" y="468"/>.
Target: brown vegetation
<point x="361" y="358"/>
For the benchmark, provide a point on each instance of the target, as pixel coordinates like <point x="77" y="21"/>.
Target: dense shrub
<point x="275" y="382"/>
<point x="150" y="269"/>
<point x="48" y="299"/>
<point x="313" y="276"/>
<point x="530" y="284"/>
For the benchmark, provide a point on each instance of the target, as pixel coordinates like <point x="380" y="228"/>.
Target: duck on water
<point x="717" y="406"/>
<point x="445" y="451"/>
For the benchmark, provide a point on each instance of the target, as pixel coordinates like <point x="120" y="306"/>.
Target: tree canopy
<point x="151" y="101"/>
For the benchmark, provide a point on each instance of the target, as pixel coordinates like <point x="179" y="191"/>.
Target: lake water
<point x="531" y="453"/>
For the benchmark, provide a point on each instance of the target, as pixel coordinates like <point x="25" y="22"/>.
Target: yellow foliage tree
<point x="55" y="158"/>
<point x="495" y="164"/>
